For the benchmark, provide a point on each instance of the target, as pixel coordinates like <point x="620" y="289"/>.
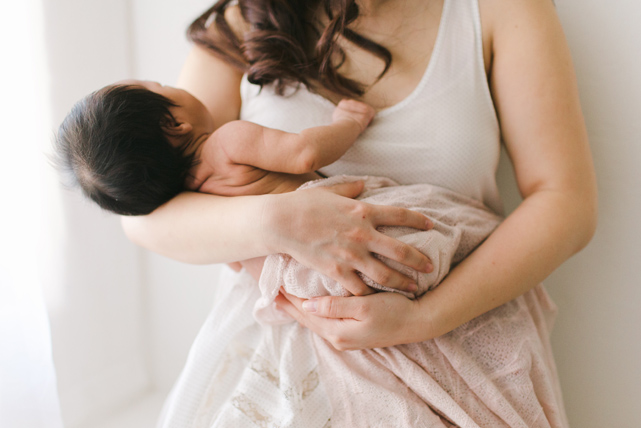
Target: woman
<point x="456" y="67"/>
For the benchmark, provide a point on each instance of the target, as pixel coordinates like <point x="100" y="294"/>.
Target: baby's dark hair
<point x="114" y="145"/>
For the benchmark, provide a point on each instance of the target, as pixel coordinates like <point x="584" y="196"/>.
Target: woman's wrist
<point x="270" y="225"/>
<point x="421" y="320"/>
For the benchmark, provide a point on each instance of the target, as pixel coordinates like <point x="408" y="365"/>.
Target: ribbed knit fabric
<point x="496" y="370"/>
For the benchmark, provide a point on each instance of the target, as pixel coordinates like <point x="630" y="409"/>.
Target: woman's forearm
<point x="324" y="229"/>
<point x="546" y="229"/>
<point x="201" y="228"/>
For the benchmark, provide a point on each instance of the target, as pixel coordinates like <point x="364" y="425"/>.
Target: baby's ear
<point x="177" y="129"/>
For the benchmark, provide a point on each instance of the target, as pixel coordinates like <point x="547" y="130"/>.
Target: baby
<point x="134" y="145"/>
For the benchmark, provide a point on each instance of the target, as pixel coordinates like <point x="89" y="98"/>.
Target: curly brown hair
<point x="286" y="45"/>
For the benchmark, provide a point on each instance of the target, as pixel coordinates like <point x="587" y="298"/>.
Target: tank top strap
<point x="459" y="48"/>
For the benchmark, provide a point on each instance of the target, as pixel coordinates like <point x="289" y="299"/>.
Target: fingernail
<point x="429" y="268"/>
<point x="310" y="305"/>
<point x="429" y="224"/>
<point x="412" y="287"/>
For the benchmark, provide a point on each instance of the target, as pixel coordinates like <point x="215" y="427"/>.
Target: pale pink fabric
<point x="460" y="225"/>
<point x="494" y="371"/>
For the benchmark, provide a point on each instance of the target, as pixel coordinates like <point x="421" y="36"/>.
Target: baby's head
<point x="130" y="145"/>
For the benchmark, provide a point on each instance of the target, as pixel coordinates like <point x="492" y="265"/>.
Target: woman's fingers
<point x="399" y="251"/>
<point x="292" y="305"/>
<point x="336" y="236"/>
<point x="382" y="274"/>
<point x="346" y="273"/>
<point x="325" y="307"/>
<point x="379" y="320"/>
<point x="383" y="215"/>
<point x="354" y="284"/>
<point x="333" y="307"/>
<point x="392" y="248"/>
<point x="349" y="190"/>
<point x="336" y="319"/>
<point x="324" y="326"/>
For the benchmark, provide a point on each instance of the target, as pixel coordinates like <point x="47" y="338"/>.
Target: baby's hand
<point x="356" y="111"/>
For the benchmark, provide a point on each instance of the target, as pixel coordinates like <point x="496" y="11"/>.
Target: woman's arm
<point x="534" y="90"/>
<point x="322" y="229"/>
<point x="179" y="229"/>
<point x="535" y="93"/>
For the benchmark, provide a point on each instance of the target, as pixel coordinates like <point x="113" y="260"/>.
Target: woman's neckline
<point x="421" y="84"/>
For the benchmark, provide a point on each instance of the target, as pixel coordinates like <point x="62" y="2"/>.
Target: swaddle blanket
<point x="460" y="225"/>
<point x="493" y="371"/>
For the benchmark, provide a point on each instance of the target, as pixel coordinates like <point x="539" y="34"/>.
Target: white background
<point x="123" y="319"/>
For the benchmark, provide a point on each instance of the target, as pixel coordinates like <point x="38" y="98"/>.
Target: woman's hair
<point x="286" y="43"/>
<point x="114" y="145"/>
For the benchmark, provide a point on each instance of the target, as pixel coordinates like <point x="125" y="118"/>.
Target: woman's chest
<point x="448" y="138"/>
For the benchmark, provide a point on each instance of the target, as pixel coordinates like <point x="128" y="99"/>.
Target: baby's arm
<point x="274" y="150"/>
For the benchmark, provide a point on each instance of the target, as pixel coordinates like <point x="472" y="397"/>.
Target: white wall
<point x="122" y="320"/>
<point x="129" y="312"/>
<point x="93" y="292"/>
<point x="598" y="336"/>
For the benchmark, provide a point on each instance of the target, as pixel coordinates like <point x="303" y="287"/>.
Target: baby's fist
<point x="357" y="111"/>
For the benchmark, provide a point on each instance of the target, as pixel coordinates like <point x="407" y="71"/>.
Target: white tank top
<point x="444" y="133"/>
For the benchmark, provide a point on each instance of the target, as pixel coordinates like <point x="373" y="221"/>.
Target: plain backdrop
<point x="123" y="319"/>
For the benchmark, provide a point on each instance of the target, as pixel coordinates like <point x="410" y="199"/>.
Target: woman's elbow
<point x="592" y="219"/>
<point x="133" y="228"/>
<point x="587" y="216"/>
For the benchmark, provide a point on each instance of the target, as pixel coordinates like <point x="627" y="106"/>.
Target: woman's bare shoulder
<point x="498" y="14"/>
<point x="499" y="18"/>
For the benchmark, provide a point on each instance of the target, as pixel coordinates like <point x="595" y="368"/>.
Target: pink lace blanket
<point x="494" y="371"/>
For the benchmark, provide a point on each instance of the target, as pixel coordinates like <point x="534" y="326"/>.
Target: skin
<point x="534" y="90"/>
<point x="244" y="158"/>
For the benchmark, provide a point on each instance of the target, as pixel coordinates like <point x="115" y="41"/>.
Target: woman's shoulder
<point x="499" y="14"/>
<point x="511" y="20"/>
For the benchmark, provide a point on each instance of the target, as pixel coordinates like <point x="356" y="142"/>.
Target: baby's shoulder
<point x="234" y="132"/>
<point x="238" y="141"/>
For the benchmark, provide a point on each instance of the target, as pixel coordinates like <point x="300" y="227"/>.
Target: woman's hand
<point x="374" y="321"/>
<point x="326" y="230"/>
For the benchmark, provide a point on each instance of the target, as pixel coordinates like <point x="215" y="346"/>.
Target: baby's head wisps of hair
<point x="114" y="144"/>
